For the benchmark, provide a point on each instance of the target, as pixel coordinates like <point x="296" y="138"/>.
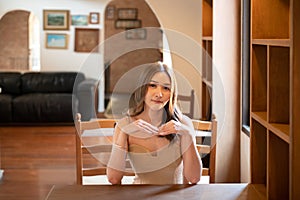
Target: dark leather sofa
<point x="45" y="97"/>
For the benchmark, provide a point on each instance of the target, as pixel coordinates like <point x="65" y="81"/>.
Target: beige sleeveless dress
<point x="161" y="167"/>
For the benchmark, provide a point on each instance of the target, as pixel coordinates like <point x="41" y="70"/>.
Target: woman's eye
<point x="152" y="85"/>
<point x="167" y="88"/>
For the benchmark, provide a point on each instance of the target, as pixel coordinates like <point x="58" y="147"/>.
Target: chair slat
<point x="94" y="171"/>
<point x="187" y="99"/>
<point x="205" y="172"/>
<point x="203" y="148"/>
<point x="202" y="125"/>
<point x="87" y="132"/>
<point x="210" y="127"/>
<point x="104" y="148"/>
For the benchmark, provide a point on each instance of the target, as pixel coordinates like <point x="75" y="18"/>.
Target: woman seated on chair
<point x="158" y="139"/>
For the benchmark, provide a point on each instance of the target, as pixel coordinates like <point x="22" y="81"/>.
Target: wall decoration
<point x="56" y="19"/>
<point x="79" y="20"/>
<point x="127" y="13"/>
<point x="110" y="12"/>
<point x="86" y="39"/>
<point x="94" y="18"/>
<point x="128" y="23"/>
<point x="136" y="34"/>
<point x="56" y="41"/>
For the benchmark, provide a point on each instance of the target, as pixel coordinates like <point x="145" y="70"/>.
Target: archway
<point x="20" y="51"/>
<point x="128" y="20"/>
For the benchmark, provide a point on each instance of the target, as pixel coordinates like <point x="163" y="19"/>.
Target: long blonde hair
<point x="137" y="99"/>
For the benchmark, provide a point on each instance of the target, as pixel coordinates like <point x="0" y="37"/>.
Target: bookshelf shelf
<point x="270" y="96"/>
<point x="207" y="45"/>
<point x="272" y="42"/>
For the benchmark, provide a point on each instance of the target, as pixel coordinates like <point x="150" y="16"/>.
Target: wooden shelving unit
<point x="207" y="44"/>
<point x="270" y="96"/>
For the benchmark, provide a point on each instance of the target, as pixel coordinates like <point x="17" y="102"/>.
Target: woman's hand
<point x="139" y="128"/>
<point x="174" y="127"/>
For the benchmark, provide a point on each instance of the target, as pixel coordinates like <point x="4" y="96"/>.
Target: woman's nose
<point x="158" y="92"/>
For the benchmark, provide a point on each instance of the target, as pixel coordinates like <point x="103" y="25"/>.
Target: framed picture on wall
<point x="86" y="39"/>
<point x="110" y="12"/>
<point x="127" y="13"/>
<point x="56" y="41"/>
<point x="128" y="23"/>
<point x="56" y="19"/>
<point x="79" y="20"/>
<point x="136" y="34"/>
<point x="94" y="18"/>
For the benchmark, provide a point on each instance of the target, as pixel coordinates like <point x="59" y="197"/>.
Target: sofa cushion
<point x="5" y="108"/>
<point x="10" y="82"/>
<point x="50" y="82"/>
<point x="38" y="107"/>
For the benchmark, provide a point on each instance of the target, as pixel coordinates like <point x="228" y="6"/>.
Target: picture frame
<point x="94" y="18"/>
<point x="56" y="41"/>
<point x="56" y="19"/>
<point x="127" y="13"/>
<point x="136" y="34"/>
<point x="86" y="39"/>
<point x="110" y="12"/>
<point x="128" y="24"/>
<point x="79" y="20"/>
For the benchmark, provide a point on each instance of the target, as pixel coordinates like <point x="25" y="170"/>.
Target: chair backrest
<point x="93" y="139"/>
<point x="190" y="99"/>
<point x="207" y="131"/>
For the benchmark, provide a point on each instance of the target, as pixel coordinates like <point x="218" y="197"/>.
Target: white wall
<point x="66" y="59"/>
<point x="181" y="17"/>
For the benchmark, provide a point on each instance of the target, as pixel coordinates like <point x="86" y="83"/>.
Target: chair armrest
<point x="86" y="94"/>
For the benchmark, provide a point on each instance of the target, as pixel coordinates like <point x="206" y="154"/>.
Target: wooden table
<point x="160" y="192"/>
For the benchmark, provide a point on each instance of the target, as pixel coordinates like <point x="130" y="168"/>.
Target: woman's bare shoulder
<point x="186" y="120"/>
<point x="124" y="121"/>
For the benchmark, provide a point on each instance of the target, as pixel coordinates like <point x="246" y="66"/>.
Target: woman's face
<point x="158" y="92"/>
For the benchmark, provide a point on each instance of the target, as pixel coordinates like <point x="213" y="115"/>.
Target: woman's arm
<point x="116" y="165"/>
<point x="192" y="164"/>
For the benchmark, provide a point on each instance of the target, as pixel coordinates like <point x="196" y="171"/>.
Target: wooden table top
<point x="161" y="192"/>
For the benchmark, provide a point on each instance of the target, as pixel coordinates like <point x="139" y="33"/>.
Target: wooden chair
<point x="190" y="99"/>
<point x="206" y="129"/>
<point x="93" y="138"/>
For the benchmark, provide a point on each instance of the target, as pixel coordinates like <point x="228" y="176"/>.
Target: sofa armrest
<point x="86" y="94"/>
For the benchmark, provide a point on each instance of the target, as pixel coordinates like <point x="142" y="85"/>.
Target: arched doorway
<point x="133" y="37"/>
<point x="126" y="25"/>
<point x="20" y="46"/>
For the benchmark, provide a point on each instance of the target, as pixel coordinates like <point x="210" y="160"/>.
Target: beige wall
<point x="182" y="22"/>
<point x="226" y="87"/>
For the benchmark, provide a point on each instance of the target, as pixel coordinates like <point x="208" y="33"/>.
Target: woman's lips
<point x="157" y="101"/>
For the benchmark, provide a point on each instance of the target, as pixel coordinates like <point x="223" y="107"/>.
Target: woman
<point x="158" y="139"/>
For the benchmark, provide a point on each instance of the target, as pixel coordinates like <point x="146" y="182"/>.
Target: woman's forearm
<point x="191" y="160"/>
<point x="116" y="165"/>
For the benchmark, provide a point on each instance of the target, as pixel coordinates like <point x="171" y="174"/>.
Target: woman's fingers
<point x="170" y="128"/>
<point x="140" y="128"/>
<point x="147" y="127"/>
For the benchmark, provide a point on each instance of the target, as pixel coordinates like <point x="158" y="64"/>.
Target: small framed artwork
<point x="94" y="18"/>
<point x="128" y="23"/>
<point x="110" y="12"/>
<point x="136" y="34"/>
<point x="56" y="19"/>
<point x="79" y="20"/>
<point x="56" y="41"/>
<point x="127" y="13"/>
<point x="86" y="39"/>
